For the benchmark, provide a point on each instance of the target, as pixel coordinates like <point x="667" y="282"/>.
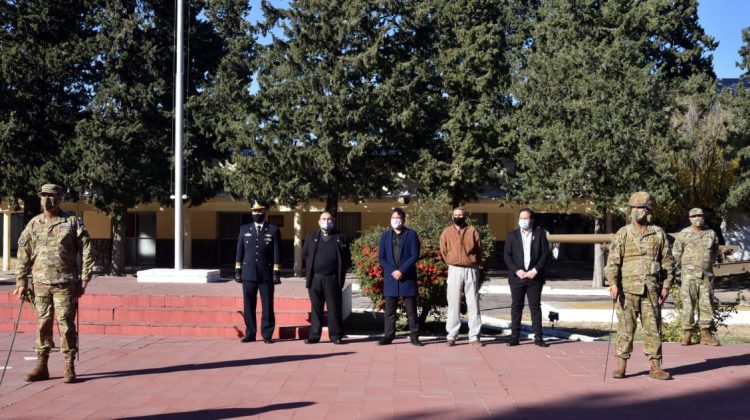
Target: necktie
<point x="257" y="230"/>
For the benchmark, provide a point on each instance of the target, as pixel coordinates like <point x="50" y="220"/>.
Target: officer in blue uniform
<point x="258" y="268"/>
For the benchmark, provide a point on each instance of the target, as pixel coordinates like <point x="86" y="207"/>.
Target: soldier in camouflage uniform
<point x="639" y="270"/>
<point x="48" y="251"/>
<point x="695" y="252"/>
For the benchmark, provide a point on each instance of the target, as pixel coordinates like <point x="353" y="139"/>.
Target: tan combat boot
<point x="657" y="372"/>
<point x="619" y="373"/>
<point x="708" y="339"/>
<point x="40" y="372"/>
<point x="687" y="337"/>
<point x="69" y="376"/>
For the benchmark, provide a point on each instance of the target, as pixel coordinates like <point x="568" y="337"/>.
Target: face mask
<point x="698" y="222"/>
<point x="258" y="218"/>
<point x="459" y="221"/>
<point x="396" y="223"/>
<point x="49" y="203"/>
<point x="639" y="216"/>
<point x="326" y="225"/>
<point x="524" y="224"/>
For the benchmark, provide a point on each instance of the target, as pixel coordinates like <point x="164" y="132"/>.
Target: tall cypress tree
<point x="125" y="146"/>
<point x="329" y="110"/>
<point x="45" y="74"/>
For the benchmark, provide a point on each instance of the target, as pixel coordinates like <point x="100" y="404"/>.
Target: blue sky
<point x="722" y="19"/>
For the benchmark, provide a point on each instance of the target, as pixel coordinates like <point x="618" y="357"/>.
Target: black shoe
<point x="247" y="339"/>
<point x="337" y="340"/>
<point x="541" y="343"/>
<point x="267" y="340"/>
<point x="513" y="342"/>
<point x="415" y="341"/>
<point x="311" y="340"/>
<point x="385" y="341"/>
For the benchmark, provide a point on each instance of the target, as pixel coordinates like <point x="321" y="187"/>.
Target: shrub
<point x="428" y="218"/>
<point x="672" y="330"/>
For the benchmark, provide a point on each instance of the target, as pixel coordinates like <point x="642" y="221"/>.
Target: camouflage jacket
<point x="695" y="252"/>
<point x="638" y="261"/>
<point x="49" y="250"/>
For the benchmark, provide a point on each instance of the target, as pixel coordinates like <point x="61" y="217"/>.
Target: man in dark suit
<point x="398" y="253"/>
<point x="326" y="258"/>
<point x="258" y="268"/>
<point x="526" y="253"/>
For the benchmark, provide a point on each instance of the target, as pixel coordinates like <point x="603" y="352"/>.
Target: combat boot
<point x="40" y="372"/>
<point x="708" y="339"/>
<point x="657" y="372"/>
<point x="619" y="373"/>
<point x="687" y="337"/>
<point x="69" y="376"/>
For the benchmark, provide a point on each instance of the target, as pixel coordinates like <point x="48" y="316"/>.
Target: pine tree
<point x="45" y="73"/>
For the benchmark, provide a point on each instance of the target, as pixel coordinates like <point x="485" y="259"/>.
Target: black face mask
<point x="459" y="221"/>
<point x="258" y="218"/>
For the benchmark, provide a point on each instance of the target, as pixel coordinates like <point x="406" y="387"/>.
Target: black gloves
<point x="238" y="275"/>
<point x="277" y="277"/>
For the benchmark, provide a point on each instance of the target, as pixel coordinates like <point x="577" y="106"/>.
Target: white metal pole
<point x="6" y="240"/>
<point x="178" y="100"/>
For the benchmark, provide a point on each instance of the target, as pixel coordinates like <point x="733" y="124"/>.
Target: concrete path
<point x="199" y="378"/>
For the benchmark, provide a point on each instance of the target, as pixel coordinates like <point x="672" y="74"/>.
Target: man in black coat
<point x="326" y="258"/>
<point x="526" y="253"/>
<point x="258" y="268"/>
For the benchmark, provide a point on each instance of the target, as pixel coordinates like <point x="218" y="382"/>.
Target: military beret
<point x="641" y="199"/>
<point x="256" y="205"/>
<point x="51" y="189"/>
<point x="695" y="212"/>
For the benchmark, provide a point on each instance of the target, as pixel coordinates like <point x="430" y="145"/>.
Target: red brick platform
<point x="205" y="378"/>
<point x="122" y="306"/>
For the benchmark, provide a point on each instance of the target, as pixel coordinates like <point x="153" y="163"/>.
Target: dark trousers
<point x="250" y="291"/>
<point x="533" y="291"/>
<point x="325" y="290"/>
<point x="391" y="303"/>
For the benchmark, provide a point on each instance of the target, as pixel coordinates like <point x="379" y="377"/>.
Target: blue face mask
<point x="326" y="225"/>
<point x="523" y="224"/>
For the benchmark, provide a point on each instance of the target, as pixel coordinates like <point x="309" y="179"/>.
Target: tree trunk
<point x="117" y="260"/>
<point x="598" y="277"/>
<point x="332" y="203"/>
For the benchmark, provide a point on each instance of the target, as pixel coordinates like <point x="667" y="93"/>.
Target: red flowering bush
<point x="428" y="219"/>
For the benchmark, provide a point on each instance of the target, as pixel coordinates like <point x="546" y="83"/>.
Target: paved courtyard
<point x="204" y="378"/>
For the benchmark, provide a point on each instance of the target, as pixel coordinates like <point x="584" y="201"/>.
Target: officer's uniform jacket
<point x="258" y="256"/>
<point x="48" y="251"/>
<point x="695" y="253"/>
<point x="638" y="261"/>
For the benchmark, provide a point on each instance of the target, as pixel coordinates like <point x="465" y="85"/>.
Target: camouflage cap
<point x="51" y="189"/>
<point x="256" y="205"/>
<point x="641" y="199"/>
<point x="695" y="212"/>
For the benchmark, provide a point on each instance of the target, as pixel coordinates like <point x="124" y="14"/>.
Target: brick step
<point x="162" y="314"/>
<point x="172" y="301"/>
<point x="287" y="332"/>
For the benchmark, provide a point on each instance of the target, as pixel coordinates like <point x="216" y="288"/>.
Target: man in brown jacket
<point x="461" y="249"/>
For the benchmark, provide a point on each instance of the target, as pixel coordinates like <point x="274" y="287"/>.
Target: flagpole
<point x="178" y="104"/>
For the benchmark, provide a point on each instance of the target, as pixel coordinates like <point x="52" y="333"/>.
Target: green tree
<point x="125" y="146"/>
<point x="470" y="50"/>
<point x="739" y="131"/>
<point x="45" y="73"/>
<point x="597" y="85"/>
<point x="332" y="105"/>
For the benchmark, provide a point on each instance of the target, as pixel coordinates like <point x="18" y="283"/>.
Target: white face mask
<point x="523" y="224"/>
<point x="396" y="223"/>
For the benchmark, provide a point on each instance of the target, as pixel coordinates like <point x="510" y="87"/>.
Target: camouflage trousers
<point x="630" y="307"/>
<point x="56" y="301"/>
<point x="696" y="295"/>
